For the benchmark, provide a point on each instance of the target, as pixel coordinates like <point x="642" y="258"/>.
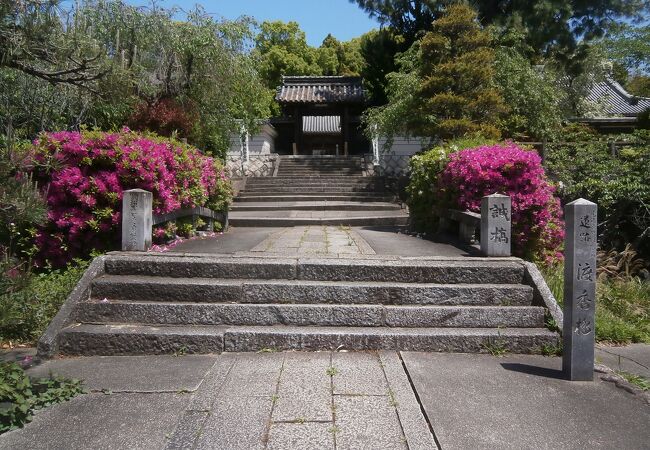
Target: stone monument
<point x="496" y="225"/>
<point x="136" y="220"/>
<point x="578" y="332"/>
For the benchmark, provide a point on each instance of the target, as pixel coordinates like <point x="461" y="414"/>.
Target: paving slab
<point x="98" y="421"/>
<point x="358" y="374"/>
<point x="522" y="401"/>
<point x="234" y="240"/>
<point x="367" y="423"/>
<point x="392" y="241"/>
<point x="254" y="374"/>
<point x="312" y="436"/>
<point x="131" y="373"/>
<point x="305" y="390"/>
<point x="633" y="358"/>
<point x="237" y="423"/>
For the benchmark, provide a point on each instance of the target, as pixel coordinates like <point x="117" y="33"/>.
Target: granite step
<point x="338" y="197"/>
<point x="325" y="193"/>
<point x="316" y="178"/>
<point x="214" y="290"/>
<point x="442" y="271"/>
<point x="131" y="339"/>
<point x="371" y="315"/>
<point x="343" y="220"/>
<point x="300" y="189"/>
<point x="316" y="206"/>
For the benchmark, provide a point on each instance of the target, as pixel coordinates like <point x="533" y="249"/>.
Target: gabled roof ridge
<point x="623" y="92"/>
<point x="321" y="79"/>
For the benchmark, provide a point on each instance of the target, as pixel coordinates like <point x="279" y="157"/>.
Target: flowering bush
<point x="424" y="169"/>
<point x="537" y="226"/>
<point x="84" y="173"/>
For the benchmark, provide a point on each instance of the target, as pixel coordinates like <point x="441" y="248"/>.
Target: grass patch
<point x="332" y="371"/>
<point x="639" y="381"/>
<point x="20" y="395"/>
<point x="25" y="313"/>
<point x="622" y="306"/>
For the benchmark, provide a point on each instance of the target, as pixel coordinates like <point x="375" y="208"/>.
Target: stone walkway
<point x="315" y="240"/>
<point x="321" y="400"/>
<point x="326" y="400"/>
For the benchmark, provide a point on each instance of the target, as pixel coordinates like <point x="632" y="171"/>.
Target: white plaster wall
<point x="262" y="143"/>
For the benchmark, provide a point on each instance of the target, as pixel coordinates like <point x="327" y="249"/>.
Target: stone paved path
<point x="315" y="240"/>
<point x="289" y="400"/>
<point x="326" y="400"/>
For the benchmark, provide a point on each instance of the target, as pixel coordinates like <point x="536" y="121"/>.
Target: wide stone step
<point x="327" y="193"/>
<point x="284" y="182"/>
<point x="125" y="339"/>
<point x="466" y="340"/>
<point x="210" y="290"/>
<point x="301" y="189"/>
<point x="130" y="339"/>
<point x="339" y="197"/>
<point x="475" y="271"/>
<point x="156" y="313"/>
<point x="361" y="221"/>
<point x="316" y="178"/>
<point x="317" y="206"/>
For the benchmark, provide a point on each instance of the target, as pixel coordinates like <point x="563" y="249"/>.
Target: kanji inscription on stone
<point x="136" y="220"/>
<point x="496" y="225"/>
<point x="579" y="290"/>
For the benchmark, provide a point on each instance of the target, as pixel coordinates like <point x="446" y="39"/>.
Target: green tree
<point x="445" y="87"/>
<point x="282" y="50"/>
<point x="340" y="58"/>
<point x="379" y="49"/>
<point x="552" y="26"/>
<point x="639" y="85"/>
<point x="139" y="56"/>
<point x="528" y="90"/>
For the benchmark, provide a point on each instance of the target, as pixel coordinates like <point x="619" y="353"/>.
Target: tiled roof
<point x="321" y="124"/>
<point x="618" y="102"/>
<point x="320" y="90"/>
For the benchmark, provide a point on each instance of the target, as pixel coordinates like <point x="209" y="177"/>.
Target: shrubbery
<point x="21" y="395"/>
<point x="84" y="174"/>
<point x="27" y="309"/>
<point x="459" y="180"/>
<point x="619" y="184"/>
<point x="424" y="170"/>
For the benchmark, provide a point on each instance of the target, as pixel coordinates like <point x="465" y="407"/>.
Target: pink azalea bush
<point x="84" y="173"/>
<point x="538" y="228"/>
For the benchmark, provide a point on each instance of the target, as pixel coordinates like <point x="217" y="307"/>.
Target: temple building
<point x="320" y="116"/>
<point x="620" y="109"/>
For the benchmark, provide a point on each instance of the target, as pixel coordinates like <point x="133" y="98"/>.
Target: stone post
<point x="496" y="225"/>
<point x="579" y="290"/>
<point x="136" y="220"/>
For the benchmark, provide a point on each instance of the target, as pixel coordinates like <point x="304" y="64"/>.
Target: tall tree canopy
<point x="550" y="24"/>
<point x="445" y="86"/>
<point x="105" y="64"/>
<point x="282" y="49"/>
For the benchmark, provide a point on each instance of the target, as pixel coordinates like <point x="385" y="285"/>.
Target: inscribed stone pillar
<point x="496" y="225"/>
<point x="136" y="220"/>
<point x="579" y="290"/>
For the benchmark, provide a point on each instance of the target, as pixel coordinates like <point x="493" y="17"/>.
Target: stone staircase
<point x="163" y="304"/>
<point x="317" y="191"/>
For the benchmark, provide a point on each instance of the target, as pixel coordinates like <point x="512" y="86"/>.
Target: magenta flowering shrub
<point x="538" y="228"/>
<point x="84" y="173"/>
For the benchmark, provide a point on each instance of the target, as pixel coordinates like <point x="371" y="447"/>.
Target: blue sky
<point x="343" y="19"/>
